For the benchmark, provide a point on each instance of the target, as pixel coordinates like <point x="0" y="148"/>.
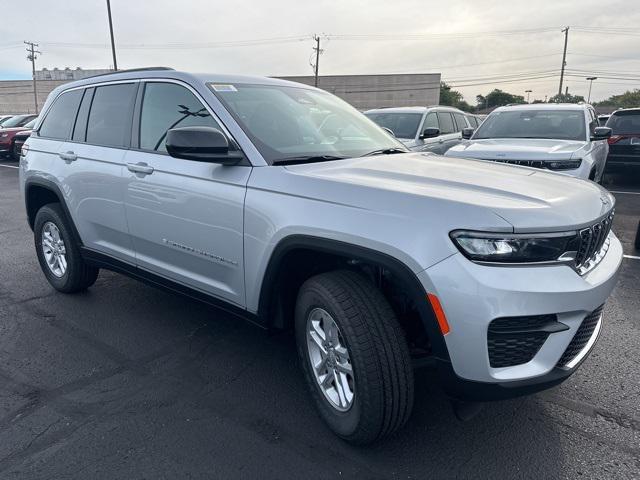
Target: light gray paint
<point x="214" y="228"/>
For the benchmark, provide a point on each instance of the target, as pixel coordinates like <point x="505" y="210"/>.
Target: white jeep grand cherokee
<point x="563" y="138"/>
<point x="237" y="191"/>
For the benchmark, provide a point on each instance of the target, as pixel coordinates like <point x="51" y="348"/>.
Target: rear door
<point x="185" y="217"/>
<point x="624" y="144"/>
<point x="94" y="164"/>
<point x="449" y="135"/>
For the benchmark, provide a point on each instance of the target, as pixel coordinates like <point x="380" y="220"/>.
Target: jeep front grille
<point x="594" y="243"/>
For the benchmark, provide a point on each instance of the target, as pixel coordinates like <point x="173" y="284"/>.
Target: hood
<point x="517" y="149"/>
<point x="528" y="199"/>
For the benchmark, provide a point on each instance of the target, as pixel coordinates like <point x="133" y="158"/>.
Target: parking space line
<point x="632" y="257"/>
<point x="9" y="166"/>
<point x="623" y="192"/>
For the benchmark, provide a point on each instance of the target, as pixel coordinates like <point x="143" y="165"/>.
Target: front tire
<point x="58" y="254"/>
<point x="354" y="356"/>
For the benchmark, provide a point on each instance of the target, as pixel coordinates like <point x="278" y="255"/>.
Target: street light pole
<point x="113" y="43"/>
<point x="590" y="79"/>
<point x="528" y="92"/>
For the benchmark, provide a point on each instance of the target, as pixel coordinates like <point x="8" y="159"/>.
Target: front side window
<point x="431" y="121"/>
<point x="286" y="122"/>
<point x="166" y="106"/>
<point x="403" y="125"/>
<point x="552" y="124"/>
<point x="61" y="115"/>
<point x="446" y="123"/>
<point x="109" y="121"/>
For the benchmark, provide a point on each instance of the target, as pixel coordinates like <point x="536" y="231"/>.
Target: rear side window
<point x="80" y="129"/>
<point x="57" y="124"/>
<point x="166" y="106"/>
<point x="109" y="121"/>
<point x="460" y="121"/>
<point x="446" y="123"/>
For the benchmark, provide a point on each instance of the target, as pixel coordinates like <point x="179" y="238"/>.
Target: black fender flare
<point x="352" y="251"/>
<point x="53" y="188"/>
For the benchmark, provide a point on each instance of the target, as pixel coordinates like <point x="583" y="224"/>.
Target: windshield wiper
<point x="385" y="151"/>
<point x="306" y="159"/>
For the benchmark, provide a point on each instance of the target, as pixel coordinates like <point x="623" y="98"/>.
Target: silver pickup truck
<point x="284" y="205"/>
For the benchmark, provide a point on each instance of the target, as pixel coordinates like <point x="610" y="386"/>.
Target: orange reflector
<point x="440" y="316"/>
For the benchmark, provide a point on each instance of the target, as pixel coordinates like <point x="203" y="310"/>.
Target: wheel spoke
<point x="327" y="380"/>
<point x="318" y="341"/>
<point x="62" y="262"/>
<point x="345" y="368"/>
<point x="340" y="389"/>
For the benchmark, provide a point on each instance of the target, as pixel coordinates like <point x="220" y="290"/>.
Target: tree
<point x="453" y="98"/>
<point x="629" y="99"/>
<point x="566" y="98"/>
<point x="498" y="98"/>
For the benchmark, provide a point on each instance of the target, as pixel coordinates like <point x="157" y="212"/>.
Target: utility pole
<point x="113" y="43"/>
<point x="590" y="79"/>
<point x="32" y="55"/>
<point x="316" y="66"/>
<point x="528" y="92"/>
<point x="564" y="58"/>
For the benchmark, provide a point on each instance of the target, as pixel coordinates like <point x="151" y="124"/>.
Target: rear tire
<point x="58" y="253"/>
<point x="381" y="380"/>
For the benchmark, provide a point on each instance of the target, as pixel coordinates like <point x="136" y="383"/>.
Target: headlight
<point x="564" y="164"/>
<point x="516" y="248"/>
<point x="3" y="135"/>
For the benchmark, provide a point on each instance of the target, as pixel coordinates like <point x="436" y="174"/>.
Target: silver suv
<point x="424" y="129"/>
<point x="283" y="204"/>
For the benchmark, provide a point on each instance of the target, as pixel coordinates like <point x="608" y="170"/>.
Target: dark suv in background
<point x="624" y="143"/>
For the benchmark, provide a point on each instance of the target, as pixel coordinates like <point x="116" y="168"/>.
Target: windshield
<point x="403" y="125"/>
<point x="17" y="121"/>
<point x="625" y="123"/>
<point x="289" y="122"/>
<point x="560" y="124"/>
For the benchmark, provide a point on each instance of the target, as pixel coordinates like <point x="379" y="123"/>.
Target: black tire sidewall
<point x="343" y="423"/>
<point x="53" y="214"/>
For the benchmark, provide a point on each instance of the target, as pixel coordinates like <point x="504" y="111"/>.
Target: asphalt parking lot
<point x="127" y="381"/>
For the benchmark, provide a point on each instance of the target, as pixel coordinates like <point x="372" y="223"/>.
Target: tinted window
<point x="446" y="123"/>
<point x="431" y="121"/>
<point x="625" y="123"/>
<point x="473" y="121"/>
<point x="110" y="117"/>
<point x="18" y="121"/>
<point x="403" y="125"/>
<point x="521" y="123"/>
<point x="80" y="129"/>
<point x="166" y="106"/>
<point x="460" y="121"/>
<point x="57" y="123"/>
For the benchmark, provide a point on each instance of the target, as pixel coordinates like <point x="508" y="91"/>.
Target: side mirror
<point x="601" y="133"/>
<point x="430" y="132"/>
<point x="467" y="133"/>
<point x="202" y="144"/>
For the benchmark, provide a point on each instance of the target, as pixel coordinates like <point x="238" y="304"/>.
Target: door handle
<point x="140" y="168"/>
<point x="68" y="156"/>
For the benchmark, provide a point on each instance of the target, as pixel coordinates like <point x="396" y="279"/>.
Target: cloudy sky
<point x="477" y="45"/>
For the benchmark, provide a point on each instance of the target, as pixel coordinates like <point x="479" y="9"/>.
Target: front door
<point x="185" y="217"/>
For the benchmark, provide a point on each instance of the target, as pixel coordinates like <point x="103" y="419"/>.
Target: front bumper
<point x="473" y="295"/>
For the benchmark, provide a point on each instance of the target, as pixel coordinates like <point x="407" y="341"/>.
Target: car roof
<point x="164" y="72"/>
<point x="544" y="106"/>
<point x="634" y="109"/>
<point x="416" y="109"/>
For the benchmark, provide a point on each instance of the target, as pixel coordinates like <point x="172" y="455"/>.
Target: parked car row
<point x="14" y="130"/>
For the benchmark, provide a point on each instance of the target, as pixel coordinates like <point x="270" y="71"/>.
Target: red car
<point x="9" y="129"/>
<point x="20" y="137"/>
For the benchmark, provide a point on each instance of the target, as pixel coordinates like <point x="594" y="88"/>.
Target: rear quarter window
<point x="61" y="115"/>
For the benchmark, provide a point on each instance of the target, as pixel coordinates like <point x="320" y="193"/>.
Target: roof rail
<point x="142" y="69"/>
